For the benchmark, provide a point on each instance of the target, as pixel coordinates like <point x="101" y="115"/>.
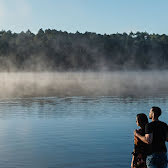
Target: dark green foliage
<point x="52" y="50"/>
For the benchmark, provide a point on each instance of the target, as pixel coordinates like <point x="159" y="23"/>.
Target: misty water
<point x="89" y="131"/>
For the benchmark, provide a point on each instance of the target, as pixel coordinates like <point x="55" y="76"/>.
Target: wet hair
<point x="142" y="119"/>
<point x="157" y="111"/>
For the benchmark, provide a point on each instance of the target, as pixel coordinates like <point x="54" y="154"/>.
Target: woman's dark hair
<point x="142" y="119"/>
<point x="157" y="111"/>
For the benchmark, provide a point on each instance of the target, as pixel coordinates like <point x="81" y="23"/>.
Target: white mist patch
<point x="83" y="84"/>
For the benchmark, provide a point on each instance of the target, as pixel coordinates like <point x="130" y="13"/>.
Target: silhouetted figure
<point x="155" y="134"/>
<point x="141" y="149"/>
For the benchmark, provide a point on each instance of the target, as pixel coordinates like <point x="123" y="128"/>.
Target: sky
<point x="99" y="16"/>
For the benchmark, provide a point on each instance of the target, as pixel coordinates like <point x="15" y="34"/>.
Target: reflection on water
<point x="70" y="132"/>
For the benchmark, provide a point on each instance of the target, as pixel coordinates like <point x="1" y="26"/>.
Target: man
<point x="155" y="134"/>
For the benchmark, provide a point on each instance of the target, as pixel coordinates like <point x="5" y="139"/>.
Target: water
<point x="71" y="132"/>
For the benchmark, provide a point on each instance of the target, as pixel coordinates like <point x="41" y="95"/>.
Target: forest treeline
<point x="52" y="50"/>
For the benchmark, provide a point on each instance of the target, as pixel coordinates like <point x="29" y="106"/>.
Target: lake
<point x="71" y="132"/>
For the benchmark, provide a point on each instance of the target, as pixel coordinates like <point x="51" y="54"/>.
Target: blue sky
<point x="100" y="16"/>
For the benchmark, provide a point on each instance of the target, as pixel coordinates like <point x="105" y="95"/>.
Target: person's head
<point x="141" y="120"/>
<point x="155" y="112"/>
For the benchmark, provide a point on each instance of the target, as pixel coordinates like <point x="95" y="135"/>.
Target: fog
<point x="132" y="83"/>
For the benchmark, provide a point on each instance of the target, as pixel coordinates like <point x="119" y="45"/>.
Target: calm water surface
<point x="71" y="132"/>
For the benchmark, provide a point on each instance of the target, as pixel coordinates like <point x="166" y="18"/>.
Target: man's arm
<point x="148" y="138"/>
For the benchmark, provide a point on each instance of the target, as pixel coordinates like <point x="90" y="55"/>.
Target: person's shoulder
<point x="162" y="122"/>
<point x="149" y="128"/>
<point x="141" y="131"/>
<point x="149" y="124"/>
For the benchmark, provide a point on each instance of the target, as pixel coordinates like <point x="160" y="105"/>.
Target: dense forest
<point x="52" y="50"/>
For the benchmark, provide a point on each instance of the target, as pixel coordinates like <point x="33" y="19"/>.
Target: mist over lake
<point x="116" y="83"/>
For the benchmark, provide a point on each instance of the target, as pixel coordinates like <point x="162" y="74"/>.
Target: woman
<point x="140" y="148"/>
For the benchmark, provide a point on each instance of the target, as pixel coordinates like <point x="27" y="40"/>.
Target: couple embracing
<point x="149" y="141"/>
